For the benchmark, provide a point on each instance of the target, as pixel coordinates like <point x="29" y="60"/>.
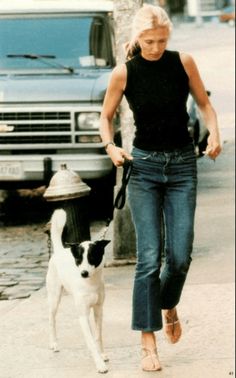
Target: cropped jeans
<point x="162" y="196"/>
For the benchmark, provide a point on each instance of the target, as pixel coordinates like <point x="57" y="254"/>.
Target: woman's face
<point x="153" y="42"/>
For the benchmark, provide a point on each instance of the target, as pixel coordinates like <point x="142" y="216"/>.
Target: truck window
<point x="98" y="41"/>
<point x="72" y="41"/>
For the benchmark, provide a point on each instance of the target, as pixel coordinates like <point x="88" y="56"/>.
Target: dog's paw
<point x="54" y="347"/>
<point x="105" y="357"/>
<point x="102" y="368"/>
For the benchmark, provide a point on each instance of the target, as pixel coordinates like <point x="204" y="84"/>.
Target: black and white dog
<point x="78" y="270"/>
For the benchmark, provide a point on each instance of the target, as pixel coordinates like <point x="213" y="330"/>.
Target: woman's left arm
<point x="199" y="93"/>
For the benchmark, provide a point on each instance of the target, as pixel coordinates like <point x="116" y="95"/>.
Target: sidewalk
<point x="206" y="349"/>
<point x="206" y="309"/>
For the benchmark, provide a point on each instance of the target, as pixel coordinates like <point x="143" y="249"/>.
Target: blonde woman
<point x="156" y="83"/>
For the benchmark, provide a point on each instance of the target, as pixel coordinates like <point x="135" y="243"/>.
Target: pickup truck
<point x="55" y="62"/>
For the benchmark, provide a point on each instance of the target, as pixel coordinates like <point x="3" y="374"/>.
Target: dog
<point x="79" y="270"/>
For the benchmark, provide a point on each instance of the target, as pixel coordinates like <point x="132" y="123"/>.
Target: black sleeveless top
<point x="157" y="93"/>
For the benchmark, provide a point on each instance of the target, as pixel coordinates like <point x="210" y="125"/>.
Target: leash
<point x="118" y="203"/>
<point x="121" y="195"/>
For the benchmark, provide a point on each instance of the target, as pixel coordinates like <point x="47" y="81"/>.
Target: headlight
<point x="87" y="121"/>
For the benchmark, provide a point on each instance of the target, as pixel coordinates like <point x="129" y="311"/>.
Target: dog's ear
<point x="101" y="244"/>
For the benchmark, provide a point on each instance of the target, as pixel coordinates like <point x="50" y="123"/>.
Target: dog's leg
<point x="54" y="290"/>
<point x="98" y="317"/>
<point x="91" y="344"/>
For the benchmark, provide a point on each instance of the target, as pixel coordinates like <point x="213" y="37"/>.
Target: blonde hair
<point x="147" y="17"/>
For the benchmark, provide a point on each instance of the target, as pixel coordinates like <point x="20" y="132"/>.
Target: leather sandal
<point x="150" y="361"/>
<point x="173" y="330"/>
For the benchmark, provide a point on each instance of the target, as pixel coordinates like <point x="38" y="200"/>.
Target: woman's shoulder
<point x="119" y="75"/>
<point x="187" y="62"/>
<point x="119" y="71"/>
<point x="183" y="56"/>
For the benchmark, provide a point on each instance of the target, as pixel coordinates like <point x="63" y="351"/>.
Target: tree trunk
<point x="123" y="230"/>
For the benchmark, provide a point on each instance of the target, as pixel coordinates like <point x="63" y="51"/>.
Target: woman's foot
<point x="150" y="361"/>
<point x="172" y="325"/>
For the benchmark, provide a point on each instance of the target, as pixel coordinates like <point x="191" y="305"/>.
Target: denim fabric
<point x="162" y="187"/>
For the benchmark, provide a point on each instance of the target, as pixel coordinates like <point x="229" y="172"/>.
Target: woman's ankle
<point x="148" y="340"/>
<point x="171" y="313"/>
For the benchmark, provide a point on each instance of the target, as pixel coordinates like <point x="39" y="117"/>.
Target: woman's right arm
<point x="111" y="102"/>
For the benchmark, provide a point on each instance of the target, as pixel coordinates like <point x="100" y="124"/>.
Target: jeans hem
<point x="154" y="329"/>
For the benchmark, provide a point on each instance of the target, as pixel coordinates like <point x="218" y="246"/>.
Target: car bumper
<point x="32" y="168"/>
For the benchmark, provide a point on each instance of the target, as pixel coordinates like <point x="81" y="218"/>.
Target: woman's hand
<point x="213" y="146"/>
<point x="118" y="155"/>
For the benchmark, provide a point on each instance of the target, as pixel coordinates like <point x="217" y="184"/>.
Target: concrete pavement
<point x="206" y="349"/>
<point x="206" y="309"/>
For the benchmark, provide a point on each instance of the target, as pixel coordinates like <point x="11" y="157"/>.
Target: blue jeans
<point x="162" y="190"/>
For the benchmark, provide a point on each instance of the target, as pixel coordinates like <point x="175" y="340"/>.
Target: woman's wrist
<point x="108" y="144"/>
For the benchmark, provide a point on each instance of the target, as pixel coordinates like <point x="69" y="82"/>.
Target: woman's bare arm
<point x="111" y="102"/>
<point x="199" y="93"/>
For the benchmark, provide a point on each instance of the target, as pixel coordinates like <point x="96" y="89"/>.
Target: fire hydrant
<point x="68" y="192"/>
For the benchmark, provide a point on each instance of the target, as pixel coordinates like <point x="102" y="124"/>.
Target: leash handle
<point x="121" y="195"/>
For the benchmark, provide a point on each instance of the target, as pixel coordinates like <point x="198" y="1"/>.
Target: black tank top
<point x="157" y="93"/>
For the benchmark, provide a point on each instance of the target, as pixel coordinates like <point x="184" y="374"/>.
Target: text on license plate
<point x="9" y="170"/>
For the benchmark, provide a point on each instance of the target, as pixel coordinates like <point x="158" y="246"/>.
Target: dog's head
<point x="88" y="256"/>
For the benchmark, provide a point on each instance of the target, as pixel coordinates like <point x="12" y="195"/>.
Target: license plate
<point x="9" y="170"/>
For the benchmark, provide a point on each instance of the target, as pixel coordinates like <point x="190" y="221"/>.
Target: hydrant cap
<point x="66" y="184"/>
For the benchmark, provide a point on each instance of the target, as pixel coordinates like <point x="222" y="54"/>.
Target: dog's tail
<point x="58" y="222"/>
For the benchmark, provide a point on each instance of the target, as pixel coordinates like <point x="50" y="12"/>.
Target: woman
<point x="156" y="83"/>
